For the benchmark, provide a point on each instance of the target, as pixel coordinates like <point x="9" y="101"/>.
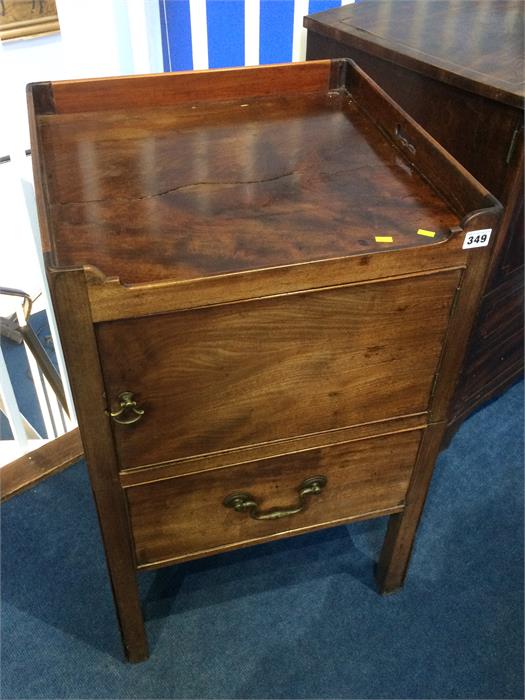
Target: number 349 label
<point x="477" y="239"/>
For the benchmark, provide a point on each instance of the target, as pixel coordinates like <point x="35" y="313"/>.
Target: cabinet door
<point x="240" y="374"/>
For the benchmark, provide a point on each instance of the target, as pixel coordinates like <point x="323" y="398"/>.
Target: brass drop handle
<point x="127" y="406"/>
<point x="242" y="502"/>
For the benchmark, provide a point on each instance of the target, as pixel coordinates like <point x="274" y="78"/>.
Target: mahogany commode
<point x="263" y="298"/>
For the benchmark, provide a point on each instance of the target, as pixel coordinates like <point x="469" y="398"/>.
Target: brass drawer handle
<point x="245" y="502"/>
<point x="127" y="405"/>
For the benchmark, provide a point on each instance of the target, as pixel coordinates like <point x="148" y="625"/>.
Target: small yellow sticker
<point x="384" y="239"/>
<point x="422" y="232"/>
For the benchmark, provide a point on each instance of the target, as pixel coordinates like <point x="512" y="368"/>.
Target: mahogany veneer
<point x="261" y="333"/>
<point x="457" y="67"/>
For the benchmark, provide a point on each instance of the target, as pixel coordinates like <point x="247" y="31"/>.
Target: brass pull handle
<point x="129" y="406"/>
<point x="245" y="502"/>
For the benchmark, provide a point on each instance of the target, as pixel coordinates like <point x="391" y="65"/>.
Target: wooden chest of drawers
<point x="457" y="67"/>
<point x="264" y="298"/>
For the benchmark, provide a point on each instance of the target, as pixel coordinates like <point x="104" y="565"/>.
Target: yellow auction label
<point x="423" y="232"/>
<point x="384" y="239"/>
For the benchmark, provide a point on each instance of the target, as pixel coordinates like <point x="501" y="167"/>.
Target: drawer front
<point x="185" y="516"/>
<point x="242" y="374"/>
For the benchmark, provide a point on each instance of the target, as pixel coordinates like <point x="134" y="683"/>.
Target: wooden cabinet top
<point x="185" y="176"/>
<point x="476" y="45"/>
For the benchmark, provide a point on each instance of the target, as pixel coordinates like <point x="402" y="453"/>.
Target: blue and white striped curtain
<point x="220" y="33"/>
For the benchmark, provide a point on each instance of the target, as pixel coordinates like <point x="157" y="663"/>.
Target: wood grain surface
<point x="264" y="331"/>
<point x="202" y="463"/>
<point x="31" y="468"/>
<point x="78" y="342"/>
<point x="248" y="373"/>
<point x="476" y="44"/>
<point x="172" y="520"/>
<point x="399" y="540"/>
<point x="171" y="89"/>
<point x="467" y="58"/>
<point x="458" y="123"/>
<point x="168" y="193"/>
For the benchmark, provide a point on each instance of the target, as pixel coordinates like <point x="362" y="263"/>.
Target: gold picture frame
<point x="24" y="19"/>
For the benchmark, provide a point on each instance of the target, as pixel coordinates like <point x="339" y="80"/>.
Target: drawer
<point x="185" y="517"/>
<point x="253" y="372"/>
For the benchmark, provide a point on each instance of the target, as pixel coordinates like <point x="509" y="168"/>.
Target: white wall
<point x="97" y="38"/>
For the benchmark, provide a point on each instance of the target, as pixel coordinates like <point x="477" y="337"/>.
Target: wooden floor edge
<point x="28" y="470"/>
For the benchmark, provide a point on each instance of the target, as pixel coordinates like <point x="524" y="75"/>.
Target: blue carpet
<point x="293" y="619"/>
